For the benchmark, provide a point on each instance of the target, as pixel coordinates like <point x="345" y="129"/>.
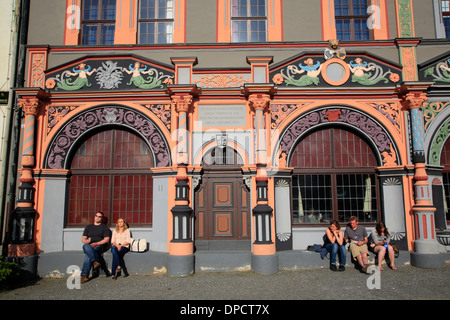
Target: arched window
<point x="445" y="162"/>
<point x="334" y="178"/>
<point x="111" y="173"/>
<point x="222" y="156"/>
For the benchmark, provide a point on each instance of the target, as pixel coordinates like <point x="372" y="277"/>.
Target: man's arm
<point x="101" y="242"/>
<point x="85" y="240"/>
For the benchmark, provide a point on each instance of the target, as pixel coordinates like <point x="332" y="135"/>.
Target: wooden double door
<point x="222" y="207"/>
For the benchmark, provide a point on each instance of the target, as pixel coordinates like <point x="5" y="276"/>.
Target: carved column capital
<point x="31" y="106"/>
<point x="182" y="103"/>
<point x="414" y="100"/>
<point x="259" y="101"/>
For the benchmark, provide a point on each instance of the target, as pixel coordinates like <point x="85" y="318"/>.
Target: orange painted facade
<point x="254" y="103"/>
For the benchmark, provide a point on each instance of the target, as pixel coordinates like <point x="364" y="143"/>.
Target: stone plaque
<point x="222" y="115"/>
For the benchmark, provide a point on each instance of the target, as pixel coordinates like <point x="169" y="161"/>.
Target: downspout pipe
<point x="15" y="119"/>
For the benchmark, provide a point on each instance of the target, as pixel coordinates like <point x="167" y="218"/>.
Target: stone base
<point x="21" y="250"/>
<point x="265" y="264"/>
<point x="28" y="266"/>
<point x="424" y="260"/>
<point x="180" y="266"/>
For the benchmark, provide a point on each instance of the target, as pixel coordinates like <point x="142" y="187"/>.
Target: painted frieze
<point x="436" y="70"/>
<point x="319" y="70"/>
<point x="109" y="73"/>
<point x="95" y="118"/>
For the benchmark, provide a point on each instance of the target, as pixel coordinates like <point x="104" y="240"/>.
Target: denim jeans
<point x="91" y="255"/>
<point x="335" y="249"/>
<point x="117" y="258"/>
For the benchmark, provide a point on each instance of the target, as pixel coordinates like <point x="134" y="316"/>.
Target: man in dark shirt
<point x="95" y="237"/>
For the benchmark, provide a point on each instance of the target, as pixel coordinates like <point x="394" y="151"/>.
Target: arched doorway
<point x="334" y="178"/>
<point x="110" y="172"/>
<point x="222" y="203"/>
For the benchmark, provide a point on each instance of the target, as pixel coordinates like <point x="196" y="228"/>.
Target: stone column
<point x="426" y="248"/>
<point x="181" y="252"/>
<point x="264" y="257"/>
<point x="22" y="242"/>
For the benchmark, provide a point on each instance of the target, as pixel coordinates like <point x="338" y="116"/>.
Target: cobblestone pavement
<point x="406" y="282"/>
<point x="238" y="294"/>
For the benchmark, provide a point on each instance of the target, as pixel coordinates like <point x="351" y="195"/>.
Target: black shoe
<point x="341" y="268"/>
<point x="333" y="267"/>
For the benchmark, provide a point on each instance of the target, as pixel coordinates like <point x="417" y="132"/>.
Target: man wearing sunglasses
<point x="95" y="237"/>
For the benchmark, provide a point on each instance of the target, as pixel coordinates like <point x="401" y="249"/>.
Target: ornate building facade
<point x="238" y="125"/>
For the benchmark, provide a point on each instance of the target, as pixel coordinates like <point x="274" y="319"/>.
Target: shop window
<point x="334" y="178"/>
<point x="111" y="173"/>
<point x="156" y="21"/>
<point x="98" y="22"/>
<point x="248" y="21"/>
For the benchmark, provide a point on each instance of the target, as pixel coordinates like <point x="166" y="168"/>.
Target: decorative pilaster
<point x="181" y="253"/>
<point x="426" y="250"/>
<point x="264" y="258"/>
<point x="182" y="105"/>
<point x="22" y="220"/>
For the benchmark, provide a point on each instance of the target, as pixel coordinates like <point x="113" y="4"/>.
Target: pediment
<point x="436" y="69"/>
<point x="109" y="73"/>
<point x="325" y="69"/>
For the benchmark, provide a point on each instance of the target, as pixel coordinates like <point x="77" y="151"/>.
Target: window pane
<point x="351" y="151"/>
<point x="239" y="8"/>
<point x="361" y="30"/>
<point x="165" y="10"/>
<point x="313" y="151"/>
<point x="335" y="193"/>
<point x="147" y="9"/>
<point x="89" y="35"/>
<point x="87" y="194"/>
<point x="445" y="162"/>
<point x="447" y="26"/>
<point x="257" y="8"/>
<point x="94" y="153"/>
<point x="258" y="31"/>
<point x="356" y="195"/>
<point x="239" y="31"/>
<point x="165" y="32"/>
<point x="445" y="6"/>
<point x="90" y="10"/>
<point x="359" y="7"/>
<point x="312" y="198"/>
<point x="107" y="35"/>
<point x="133" y="198"/>
<point x="130" y="151"/>
<point x="343" y="29"/>
<point x="109" y="9"/>
<point x="341" y="7"/>
<point x="105" y="177"/>
<point x="147" y="32"/>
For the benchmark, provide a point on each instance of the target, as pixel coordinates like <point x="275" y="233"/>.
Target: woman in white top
<point x="120" y="245"/>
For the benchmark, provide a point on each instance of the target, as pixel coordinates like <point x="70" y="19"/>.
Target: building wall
<point x="225" y="74"/>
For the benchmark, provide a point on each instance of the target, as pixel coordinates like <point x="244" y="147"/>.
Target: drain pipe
<point x="12" y="76"/>
<point x="22" y="8"/>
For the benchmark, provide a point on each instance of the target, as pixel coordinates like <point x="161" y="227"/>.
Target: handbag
<point x="396" y="250"/>
<point x="138" y="245"/>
